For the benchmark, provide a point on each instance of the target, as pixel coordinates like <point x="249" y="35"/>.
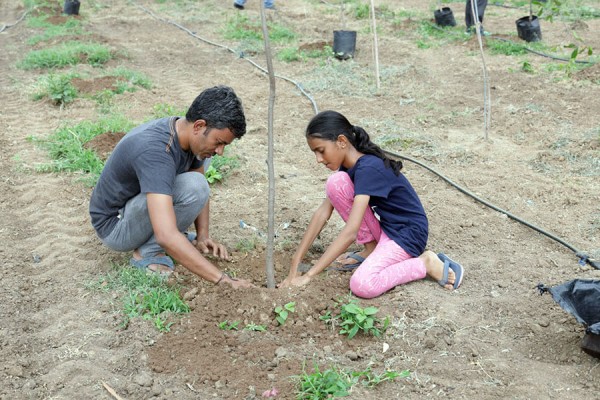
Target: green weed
<point x="71" y="27"/>
<point x="256" y="328"/>
<point x="243" y="28"/>
<point x="56" y="87"/>
<point x="128" y="80"/>
<point x="220" y="168"/>
<point x="229" y="326"/>
<point x="283" y="312"/>
<point x="246" y="245"/>
<point x="291" y="54"/>
<point x="336" y="382"/>
<point x="507" y="48"/>
<point x="353" y="319"/>
<point x="144" y="295"/>
<point x="163" y="110"/>
<point x="69" y="53"/>
<point x="66" y="146"/>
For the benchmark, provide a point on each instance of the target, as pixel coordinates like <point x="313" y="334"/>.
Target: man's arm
<point x="162" y="216"/>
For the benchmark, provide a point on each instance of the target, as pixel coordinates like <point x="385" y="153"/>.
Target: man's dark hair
<point x="220" y="107"/>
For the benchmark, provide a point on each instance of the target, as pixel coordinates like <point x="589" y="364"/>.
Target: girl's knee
<point x="339" y="186"/>
<point x="361" y="288"/>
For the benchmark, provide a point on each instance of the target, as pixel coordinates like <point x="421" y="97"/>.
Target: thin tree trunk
<point x="270" y="270"/>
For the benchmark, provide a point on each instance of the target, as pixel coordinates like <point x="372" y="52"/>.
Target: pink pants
<point x="388" y="265"/>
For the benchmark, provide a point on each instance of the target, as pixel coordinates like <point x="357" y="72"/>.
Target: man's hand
<point x="218" y="250"/>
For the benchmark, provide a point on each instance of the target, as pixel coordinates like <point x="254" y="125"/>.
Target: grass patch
<point x="243" y="28"/>
<point x="433" y="36"/>
<point x="336" y="382"/>
<point x="69" y="53"/>
<point x="507" y="48"/>
<point x="71" y="27"/>
<point x="129" y="80"/>
<point x="291" y="54"/>
<point x="66" y="147"/>
<point x="163" y="110"/>
<point x="145" y="296"/>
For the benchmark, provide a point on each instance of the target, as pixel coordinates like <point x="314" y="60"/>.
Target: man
<point x="470" y="22"/>
<point x="152" y="187"/>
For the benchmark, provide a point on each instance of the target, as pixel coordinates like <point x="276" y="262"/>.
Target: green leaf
<point x="371" y="310"/>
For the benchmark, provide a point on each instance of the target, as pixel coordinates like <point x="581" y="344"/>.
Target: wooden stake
<point x="375" y="45"/>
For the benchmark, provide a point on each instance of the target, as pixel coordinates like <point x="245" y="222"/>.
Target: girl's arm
<point x="317" y="222"/>
<point x="345" y="237"/>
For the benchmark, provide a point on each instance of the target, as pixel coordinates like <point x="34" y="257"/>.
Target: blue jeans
<point x="134" y="229"/>
<point x="268" y="3"/>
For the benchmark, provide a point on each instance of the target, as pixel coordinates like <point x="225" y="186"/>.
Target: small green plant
<point x="56" y="87"/>
<point x="353" y="319"/>
<point x="323" y="385"/>
<point x="229" y="326"/>
<point x="335" y="382"/>
<point x="256" y="328"/>
<point x="246" y="245"/>
<point x="527" y="67"/>
<point x="220" y="167"/>
<point x="283" y="312"/>
<point x="212" y="175"/>
<point x="69" y="53"/>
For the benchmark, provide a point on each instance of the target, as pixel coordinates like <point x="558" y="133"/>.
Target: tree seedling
<point x="283" y="312"/>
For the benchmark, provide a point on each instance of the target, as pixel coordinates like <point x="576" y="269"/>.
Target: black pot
<point x="529" y="29"/>
<point x="444" y="17"/>
<point x="71" y="7"/>
<point x="344" y="44"/>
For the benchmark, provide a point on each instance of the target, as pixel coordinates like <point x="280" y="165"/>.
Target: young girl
<point x="381" y="210"/>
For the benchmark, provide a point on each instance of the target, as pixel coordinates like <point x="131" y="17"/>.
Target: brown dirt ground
<point x="494" y="338"/>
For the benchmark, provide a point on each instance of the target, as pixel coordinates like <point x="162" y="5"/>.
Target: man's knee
<point x="192" y="187"/>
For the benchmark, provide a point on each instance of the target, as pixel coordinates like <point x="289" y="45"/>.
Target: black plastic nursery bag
<point x="581" y="298"/>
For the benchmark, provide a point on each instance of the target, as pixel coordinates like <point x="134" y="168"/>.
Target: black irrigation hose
<point x="6" y="26"/>
<point x="583" y="257"/>
<point x="525" y="47"/>
<point x="542" y="54"/>
<point x="241" y="54"/>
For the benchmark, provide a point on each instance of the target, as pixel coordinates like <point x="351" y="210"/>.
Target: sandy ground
<point x="495" y="337"/>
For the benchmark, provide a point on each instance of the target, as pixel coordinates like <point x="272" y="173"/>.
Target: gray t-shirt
<point x="146" y="160"/>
